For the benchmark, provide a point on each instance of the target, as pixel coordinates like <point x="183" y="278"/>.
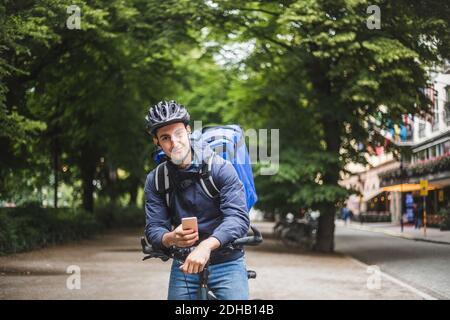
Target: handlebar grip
<point x="156" y="254"/>
<point x="146" y="246"/>
<point x="249" y="240"/>
<point x="152" y="253"/>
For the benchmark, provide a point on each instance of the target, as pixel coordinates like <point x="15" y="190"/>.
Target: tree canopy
<point x="72" y="101"/>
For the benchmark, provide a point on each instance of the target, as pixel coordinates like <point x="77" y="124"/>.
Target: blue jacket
<point x="224" y="217"/>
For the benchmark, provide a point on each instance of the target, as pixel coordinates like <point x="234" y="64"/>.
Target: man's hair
<point x="156" y="131"/>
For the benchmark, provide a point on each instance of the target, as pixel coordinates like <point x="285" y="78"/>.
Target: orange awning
<point x="408" y="187"/>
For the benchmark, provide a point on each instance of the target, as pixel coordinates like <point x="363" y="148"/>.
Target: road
<point x="110" y="267"/>
<point x="425" y="266"/>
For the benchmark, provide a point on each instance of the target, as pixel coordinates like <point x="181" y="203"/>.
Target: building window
<point x="432" y="152"/>
<point x="439" y="149"/>
<point x="446" y="147"/>
<point x="435" y="121"/>
<point x="447" y="106"/>
<point x="421" y="129"/>
<point x="421" y="155"/>
<point x="447" y="113"/>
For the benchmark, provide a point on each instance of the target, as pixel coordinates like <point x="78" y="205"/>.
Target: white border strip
<point x="396" y="281"/>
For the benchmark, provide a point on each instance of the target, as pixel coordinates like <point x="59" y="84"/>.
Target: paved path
<point x="111" y="268"/>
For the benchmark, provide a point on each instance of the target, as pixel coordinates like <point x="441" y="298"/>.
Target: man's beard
<point x="179" y="160"/>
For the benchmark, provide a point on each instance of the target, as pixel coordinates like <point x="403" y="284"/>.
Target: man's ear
<point x="188" y="128"/>
<point x="155" y="141"/>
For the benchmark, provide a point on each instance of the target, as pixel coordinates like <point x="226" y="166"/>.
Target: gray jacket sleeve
<point x="156" y="214"/>
<point x="233" y="205"/>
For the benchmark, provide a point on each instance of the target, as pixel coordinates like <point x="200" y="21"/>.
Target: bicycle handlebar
<point x="147" y="248"/>
<point x="254" y="240"/>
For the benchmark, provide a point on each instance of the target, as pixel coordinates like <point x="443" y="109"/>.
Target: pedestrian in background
<point x="345" y="214"/>
<point x="419" y="216"/>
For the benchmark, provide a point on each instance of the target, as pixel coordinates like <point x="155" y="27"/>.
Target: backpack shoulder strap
<point x="162" y="181"/>
<point x="164" y="186"/>
<point x="206" y="179"/>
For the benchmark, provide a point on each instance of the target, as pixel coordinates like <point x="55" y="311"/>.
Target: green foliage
<point x="113" y="216"/>
<point x="32" y="227"/>
<point x="318" y="72"/>
<point x="90" y="87"/>
<point x="72" y="102"/>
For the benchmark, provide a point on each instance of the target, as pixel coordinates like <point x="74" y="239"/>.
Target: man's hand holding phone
<point x="185" y="237"/>
<point x="197" y="259"/>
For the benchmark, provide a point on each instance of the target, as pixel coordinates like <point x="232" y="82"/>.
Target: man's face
<point x="174" y="141"/>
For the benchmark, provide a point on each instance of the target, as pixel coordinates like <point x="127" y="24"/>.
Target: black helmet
<point x="164" y="113"/>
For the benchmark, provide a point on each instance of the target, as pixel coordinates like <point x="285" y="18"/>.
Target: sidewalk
<point x="111" y="268"/>
<point x="434" y="235"/>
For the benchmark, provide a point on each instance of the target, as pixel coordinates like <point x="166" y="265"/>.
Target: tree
<point x="91" y="86"/>
<point x="337" y="73"/>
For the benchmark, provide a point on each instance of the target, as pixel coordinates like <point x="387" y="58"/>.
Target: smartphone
<point x="189" y="223"/>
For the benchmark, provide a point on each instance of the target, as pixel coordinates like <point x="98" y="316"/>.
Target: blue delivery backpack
<point x="226" y="141"/>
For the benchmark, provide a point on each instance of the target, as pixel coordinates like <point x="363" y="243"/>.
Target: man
<point x="345" y="214"/>
<point x="418" y="215"/>
<point x="221" y="220"/>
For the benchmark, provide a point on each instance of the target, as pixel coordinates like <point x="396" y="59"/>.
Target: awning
<point x="408" y="187"/>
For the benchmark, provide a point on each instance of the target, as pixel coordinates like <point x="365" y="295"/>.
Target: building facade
<point x="388" y="186"/>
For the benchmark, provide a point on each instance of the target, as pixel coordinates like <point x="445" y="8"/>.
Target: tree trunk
<point x="53" y="134"/>
<point x="326" y="104"/>
<point x="55" y="152"/>
<point x="15" y="97"/>
<point x="88" y="190"/>
<point x="325" y="234"/>
<point x="133" y="191"/>
<point x="87" y="167"/>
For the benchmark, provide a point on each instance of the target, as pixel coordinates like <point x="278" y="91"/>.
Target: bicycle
<point x="181" y="254"/>
<point x="298" y="232"/>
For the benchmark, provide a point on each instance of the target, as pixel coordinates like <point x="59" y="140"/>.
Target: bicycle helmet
<point x="165" y="113"/>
